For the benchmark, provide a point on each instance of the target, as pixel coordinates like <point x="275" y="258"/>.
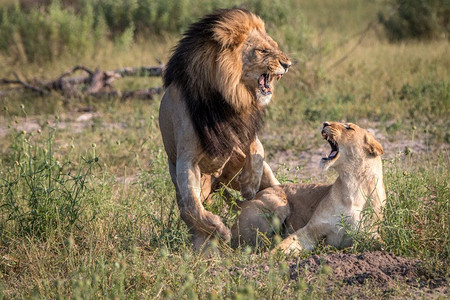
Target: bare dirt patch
<point x="382" y="271"/>
<point x="362" y="276"/>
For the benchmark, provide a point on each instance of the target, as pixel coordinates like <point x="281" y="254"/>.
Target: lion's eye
<point x="348" y="127"/>
<point x="262" y="51"/>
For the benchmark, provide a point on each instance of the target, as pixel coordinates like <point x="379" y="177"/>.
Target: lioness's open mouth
<point x="334" y="147"/>
<point x="264" y="82"/>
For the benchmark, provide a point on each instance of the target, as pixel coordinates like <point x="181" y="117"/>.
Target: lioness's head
<point x="350" y="145"/>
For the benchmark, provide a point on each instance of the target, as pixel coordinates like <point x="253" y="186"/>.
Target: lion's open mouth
<point x="334" y="147"/>
<point x="264" y="84"/>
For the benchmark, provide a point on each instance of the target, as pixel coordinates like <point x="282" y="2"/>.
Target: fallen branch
<point x="139" y="94"/>
<point x="28" y="86"/>
<point x="95" y="83"/>
<point x="140" y="71"/>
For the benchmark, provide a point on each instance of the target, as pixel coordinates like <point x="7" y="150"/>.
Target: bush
<point x="42" y="34"/>
<point x="417" y="19"/>
<point x="38" y="33"/>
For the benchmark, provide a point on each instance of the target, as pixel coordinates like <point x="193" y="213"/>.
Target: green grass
<point x="40" y="193"/>
<point x="120" y="235"/>
<point x="417" y="213"/>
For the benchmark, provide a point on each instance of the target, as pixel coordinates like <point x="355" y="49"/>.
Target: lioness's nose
<point x="285" y="65"/>
<point x="325" y="124"/>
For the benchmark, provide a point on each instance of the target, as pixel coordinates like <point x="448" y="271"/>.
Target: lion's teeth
<point x="261" y="80"/>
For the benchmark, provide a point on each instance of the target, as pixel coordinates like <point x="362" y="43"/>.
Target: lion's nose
<point x="325" y="124"/>
<point x="285" y="65"/>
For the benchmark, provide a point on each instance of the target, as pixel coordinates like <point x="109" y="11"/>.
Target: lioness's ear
<point x="372" y="146"/>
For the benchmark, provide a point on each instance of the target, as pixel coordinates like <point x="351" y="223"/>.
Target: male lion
<point x="316" y="211"/>
<point x="219" y="80"/>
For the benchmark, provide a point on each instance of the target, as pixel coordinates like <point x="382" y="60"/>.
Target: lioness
<point x="219" y="80"/>
<point x="316" y="211"/>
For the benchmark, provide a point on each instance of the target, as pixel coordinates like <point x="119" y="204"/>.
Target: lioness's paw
<point x="248" y="193"/>
<point x="290" y="246"/>
<point x="248" y="185"/>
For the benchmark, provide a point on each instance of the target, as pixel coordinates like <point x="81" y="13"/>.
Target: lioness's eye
<point x="263" y="51"/>
<point x="348" y="127"/>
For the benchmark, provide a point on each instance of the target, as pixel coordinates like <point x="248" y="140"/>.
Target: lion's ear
<point x="372" y="146"/>
<point x="230" y="36"/>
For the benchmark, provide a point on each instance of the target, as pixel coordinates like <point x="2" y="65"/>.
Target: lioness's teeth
<point x="279" y="77"/>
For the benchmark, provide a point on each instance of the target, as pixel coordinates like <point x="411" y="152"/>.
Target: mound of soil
<point x="369" y="275"/>
<point x="370" y="270"/>
<point x="350" y="268"/>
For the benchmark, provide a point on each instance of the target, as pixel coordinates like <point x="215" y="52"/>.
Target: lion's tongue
<point x="262" y="79"/>
<point x="264" y="82"/>
<point x="332" y="154"/>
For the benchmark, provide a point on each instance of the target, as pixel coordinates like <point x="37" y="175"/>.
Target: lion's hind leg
<point x="260" y="218"/>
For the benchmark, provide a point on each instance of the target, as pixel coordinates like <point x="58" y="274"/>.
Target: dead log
<point x="23" y="83"/>
<point x="140" y="71"/>
<point x="138" y="94"/>
<point x="96" y="83"/>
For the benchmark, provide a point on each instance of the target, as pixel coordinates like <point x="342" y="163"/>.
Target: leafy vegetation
<point x="79" y="28"/>
<point x="43" y="34"/>
<point x="417" y="19"/>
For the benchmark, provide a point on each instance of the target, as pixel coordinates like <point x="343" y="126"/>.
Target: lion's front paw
<point x="217" y="226"/>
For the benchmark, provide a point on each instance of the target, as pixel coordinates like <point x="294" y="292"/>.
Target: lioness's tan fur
<point x="316" y="211"/>
<point x="211" y="113"/>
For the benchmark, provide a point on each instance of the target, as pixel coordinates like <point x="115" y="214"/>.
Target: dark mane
<point x="218" y="125"/>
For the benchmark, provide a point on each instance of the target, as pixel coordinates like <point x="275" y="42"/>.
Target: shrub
<point x="43" y="34"/>
<point x="39" y="33"/>
<point x="417" y="19"/>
